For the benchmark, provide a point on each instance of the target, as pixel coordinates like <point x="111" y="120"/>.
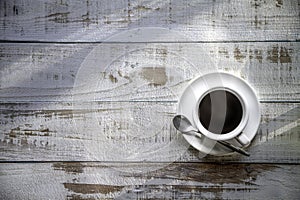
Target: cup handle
<point x="243" y="139"/>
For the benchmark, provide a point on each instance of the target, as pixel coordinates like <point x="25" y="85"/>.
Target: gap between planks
<point x="144" y="42"/>
<point x="135" y="101"/>
<point x="145" y="163"/>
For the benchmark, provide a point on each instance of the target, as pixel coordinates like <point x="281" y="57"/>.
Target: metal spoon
<point x="182" y="124"/>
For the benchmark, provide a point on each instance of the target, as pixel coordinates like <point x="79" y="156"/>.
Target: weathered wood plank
<point x="175" y="181"/>
<point x="92" y="20"/>
<point x="142" y="72"/>
<point x="130" y="131"/>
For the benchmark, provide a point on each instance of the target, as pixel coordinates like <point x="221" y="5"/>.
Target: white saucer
<point x="204" y="83"/>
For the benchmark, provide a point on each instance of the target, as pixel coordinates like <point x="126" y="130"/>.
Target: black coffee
<point x="220" y="112"/>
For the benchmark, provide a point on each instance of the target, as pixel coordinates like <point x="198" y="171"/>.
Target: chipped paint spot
<point x="257" y="3"/>
<point x="129" y="12"/>
<point x="59" y="17"/>
<point x="238" y="55"/>
<point x="273" y="55"/>
<point x="279" y="55"/>
<point x="284" y="56"/>
<point x="142" y="8"/>
<point x="156" y="76"/>
<point x="258" y="23"/>
<point x="112" y="78"/>
<point x="55" y="77"/>
<point x="224" y="52"/>
<point x="29" y="132"/>
<point x="258" y="55"/>
<point x="15" y="10"/>
<point x="279" y="3"/>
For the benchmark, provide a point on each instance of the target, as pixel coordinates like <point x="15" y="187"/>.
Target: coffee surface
<point x="220" y="112"/>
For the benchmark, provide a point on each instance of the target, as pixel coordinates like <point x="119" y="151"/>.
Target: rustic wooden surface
<point x="83" y="180"/>
<point x="90" y="21"/>
<point x="109" y="136"/>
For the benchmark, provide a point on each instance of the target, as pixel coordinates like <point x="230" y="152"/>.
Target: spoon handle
<point x="234" y="148"/>
<point x="226" y="144"/>
<point x="194" y="133"/>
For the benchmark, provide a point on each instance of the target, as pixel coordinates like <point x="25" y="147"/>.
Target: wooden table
<point x="88" y="90"/>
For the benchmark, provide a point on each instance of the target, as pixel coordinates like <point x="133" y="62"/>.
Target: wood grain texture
<point x="89" y="132"/>
<point x="142" y="72"/>
<point x="91" y="20"/>
<point x="63" y="180"/>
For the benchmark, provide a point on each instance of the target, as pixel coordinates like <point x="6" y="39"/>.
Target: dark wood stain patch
<point x="69" y="167"/>
<point x="92" y="188"/>
<point x="214" y="173"/>
<point x="79" y="197"/>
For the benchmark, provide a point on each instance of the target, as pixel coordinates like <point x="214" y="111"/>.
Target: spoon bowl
<point x="182" y="124"/>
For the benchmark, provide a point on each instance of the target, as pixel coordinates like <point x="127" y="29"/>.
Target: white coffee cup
<point x="220" y="106"/>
